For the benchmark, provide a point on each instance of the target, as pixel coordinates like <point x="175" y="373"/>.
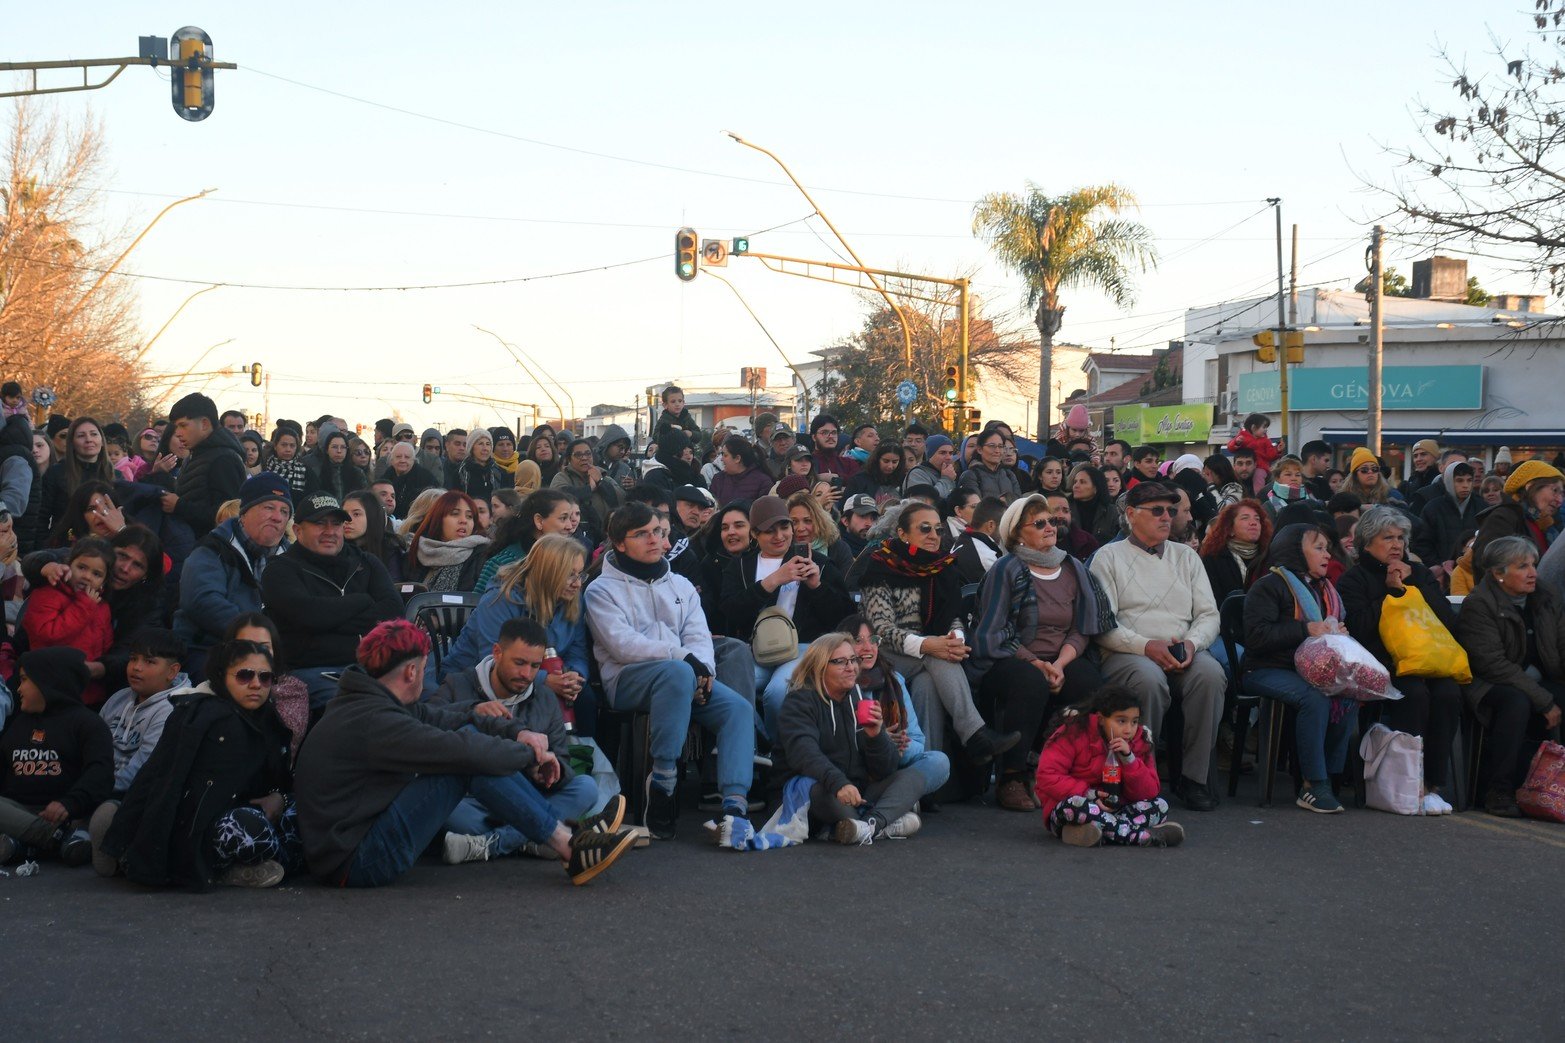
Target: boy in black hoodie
<point x="58" y="760"/>
<point x="675" y="415"/>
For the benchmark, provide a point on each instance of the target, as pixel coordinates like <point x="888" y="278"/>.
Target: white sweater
<point x="1155" y="599"/>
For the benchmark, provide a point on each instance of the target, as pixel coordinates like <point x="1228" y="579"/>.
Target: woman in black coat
<point x="212" y="804"/>
<point x="335" y="475"/>
<point x="1430" y="706"/>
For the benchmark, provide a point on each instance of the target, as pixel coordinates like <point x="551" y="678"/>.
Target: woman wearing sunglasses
<point x="912" y="595"/>
<point x="1367" y="480"/>
<point x="213" y="803"/>
<point x="1038" y="609"/>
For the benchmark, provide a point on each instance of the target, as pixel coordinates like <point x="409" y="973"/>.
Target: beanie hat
<point x="265" y="487"/>
<point x="1428" y="445"/>
<point x="503" y="434"/>
<point x="474" y="434"/>
<point x="1188" y="462"/>
<point x="194" y="406"/>
<point x="59" y="672"/>
<point x="1362" y="456"/>
<point x="762" y="420"/>
<point x="390" y="644"/>
<point x="792" y="484"/>
<point x="1503" y="456"/>
<point x="821" y="420"/>
<point x="56" y="424"/>
<point x="1077" y="417"/>
<point x="1526" y="472"/>
<point x="933" y="444"/>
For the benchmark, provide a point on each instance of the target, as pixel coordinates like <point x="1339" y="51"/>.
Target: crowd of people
<point x="211" y="679"/>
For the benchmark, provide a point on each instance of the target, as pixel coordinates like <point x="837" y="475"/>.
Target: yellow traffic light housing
<point x="255" y="374"/>
<point x="429" y="394"/>
<point x="975" y="421"/>
<point x="687" y="245"/>
<point x="190" y="78"/>
<point x="1266" y="346"/>
<point x="951" y="383"/>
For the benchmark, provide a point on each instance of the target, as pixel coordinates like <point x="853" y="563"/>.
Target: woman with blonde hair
<point x="812" y="525"/>
<point x="546" y="587"/>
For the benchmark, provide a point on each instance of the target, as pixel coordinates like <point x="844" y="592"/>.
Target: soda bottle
<point x="553" y="664"/>
<point x="1109" y="784"/>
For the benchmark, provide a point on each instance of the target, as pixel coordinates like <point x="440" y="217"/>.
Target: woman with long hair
<point x="284" y="461"/>
<point x="90" y="511"/>
<point x="289" y="694"/>
<point x="1092" y="508"/>
<point x="334" y="473"/>
<point x="882" y="476"/>
<point x="367" y="530"/>
<point x="541" y="452"/>
<point x="1219" y="474"/>
<point x="541" y="513"/>
<point x="85" y="460"/>
<point x="812" y="525"/>
<point x="1234" y="548"/>
<point x="446" y="553"/>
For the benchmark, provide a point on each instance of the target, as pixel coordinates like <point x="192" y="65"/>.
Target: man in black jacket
<point x="379" y="775"/>
<point x="215" y="470"/>
<point x="1446" y="517"/>
<point x="324" y="595"/>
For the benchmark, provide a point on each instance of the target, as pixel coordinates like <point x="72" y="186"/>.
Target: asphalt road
<point x="1270" y="923"/>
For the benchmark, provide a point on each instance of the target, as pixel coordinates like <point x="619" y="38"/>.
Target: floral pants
<point x="1130" y="824"/>
<point x="243" y="835"/>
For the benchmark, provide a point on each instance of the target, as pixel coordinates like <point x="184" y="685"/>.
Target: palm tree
<point x="1058" y="242"/>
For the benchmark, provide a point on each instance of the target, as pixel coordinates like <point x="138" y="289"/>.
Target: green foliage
<point x="1476" y="295"/>
<point x="1394" y="284"/>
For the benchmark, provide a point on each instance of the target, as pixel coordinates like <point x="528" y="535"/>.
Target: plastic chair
<point x="441" y="615"/>
<point x="1237" y="703"/>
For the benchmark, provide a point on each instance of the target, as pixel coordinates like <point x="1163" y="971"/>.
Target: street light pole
<point x="1377" y="284"/>
<point x="167" y="323"/>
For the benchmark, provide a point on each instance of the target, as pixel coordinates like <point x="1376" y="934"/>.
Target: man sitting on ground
<point x="382" y="772"/>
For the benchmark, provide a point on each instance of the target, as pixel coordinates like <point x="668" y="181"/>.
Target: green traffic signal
<point x="951" y="394"/>
<point x="741" y="245"/>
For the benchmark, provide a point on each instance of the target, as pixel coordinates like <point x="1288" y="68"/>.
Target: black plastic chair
<point x="1237" y="704"/>
<point x="441" y="615"/>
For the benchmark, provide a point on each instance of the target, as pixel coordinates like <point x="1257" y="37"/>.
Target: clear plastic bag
<point x="1337" y="665"/>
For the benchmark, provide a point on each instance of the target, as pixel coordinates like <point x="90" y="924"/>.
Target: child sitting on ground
<point x="136" y="714"/>
<point x="1097" y="779"/>
<point x="73" y="612"/>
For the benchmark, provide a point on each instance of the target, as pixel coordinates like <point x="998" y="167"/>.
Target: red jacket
<point x="60" y="616"/>
<point x="1266" y="451"/>
<point x="1072" y="763"/>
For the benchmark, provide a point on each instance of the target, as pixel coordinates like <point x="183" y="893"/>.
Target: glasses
<point x="1043" y="523"/>
<point x="576" y="577"/>
<point x="924" y="527"/>
<point x="246" y="675"/>
<point x="1157" y="511"/>
<point x="828" y="431"/>
<point x="851" y="660"/>
<point x="1369" y="469"/>
<point x="582" y="454"/>
<point x="406" y="436"/>
<point x="643" y="534"/>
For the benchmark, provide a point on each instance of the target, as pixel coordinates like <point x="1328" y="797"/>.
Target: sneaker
<point x="986" y="744"/>
<point x="1197" y="796"/>
<point x="97" y="829"/>
<point x="608" y="820"/>
<point x="1083" y="834"/>
<point x="465" y="847"/>
<point x="902" y="828"/>
<point x="1166" y="834"/>
<point x="853" y="831"/>
<point x="1434" y="804"/>
<point x="1502" y="802"/>
<point x="262" y="874"/>
<point x="77" y="849"/>
<point x="662" y="811"/>
<point x="592" y="853"/>
<point x="1319" y="799"/>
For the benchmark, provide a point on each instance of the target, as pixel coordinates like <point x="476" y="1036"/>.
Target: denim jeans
<point x="421" y="810"/>
<point x="568" y="803"/>
<point x="773" y="683"/>
<point x="666" y="690"/>
<point x="934" y="766"/>
<point x="1322" y="743"/>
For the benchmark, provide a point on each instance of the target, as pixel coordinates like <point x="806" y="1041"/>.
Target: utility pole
<point x="1282" y="334"/>
<point x="1377" y="277"/>
<point x="1293" y="281"/>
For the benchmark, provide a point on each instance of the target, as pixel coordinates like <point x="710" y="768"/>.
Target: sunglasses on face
<point x="1042" y="523"/>
<point x="924" y="528"/>
<point x="1158" y="510"/>
<point x="246" y="675"/>
<point x="1369" y="469"/>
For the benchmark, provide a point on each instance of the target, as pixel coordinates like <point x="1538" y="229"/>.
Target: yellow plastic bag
<point x="1419" y="643"/>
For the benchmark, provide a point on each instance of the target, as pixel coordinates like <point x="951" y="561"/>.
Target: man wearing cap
<point x="222" y="577"/>
<point x="325" y="594"/>
<point x="1166" y="620"/>
<point x="1426" y="467"/>
<point x="694" y="505"/>
<point x="215" y="470"/>
<point x="827" y="436"/>
<point x="776" y="459"/>
<point x="859" y="515"/>
<point x="938" y="468"/>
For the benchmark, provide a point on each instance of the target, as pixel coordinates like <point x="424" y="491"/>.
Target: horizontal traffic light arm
<point x="119" y="65"/>
<point x="778" y="263"/>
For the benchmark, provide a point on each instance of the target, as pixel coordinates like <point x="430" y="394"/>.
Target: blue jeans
<point x="410" y="822"/>
<point x="934" y="766"/>
<point x="773" y="683"/>
<point x="321" y="687"/>
<point x="1322" y="743"/>
<point x="570" y="802"/>
<point x="666" y="690"/>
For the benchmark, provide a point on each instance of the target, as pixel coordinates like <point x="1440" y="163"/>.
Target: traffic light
<point x="741" y="245"/>
<point x="255" y="374"/>
<point x="191" y="84"/>
<point x="951" y="381"/>
<point x="948" y="419"/>
<point x="429" y="394"/>
<point x="975" y="421"/>
<point x="686" y="258"/>
<point x="1266" y="346"/>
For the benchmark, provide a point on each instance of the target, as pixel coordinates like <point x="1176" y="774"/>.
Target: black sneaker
<point x="1318" y="798"/>
<point x="608" y="820"/>
<point x="593" y="852"/>
<point x="1166" y="834"/>
<point x="986" y="744"/>
<point x="1197" y="796"/>
<point x="77" y="849"/>
<point x="1501" y="801"/>
<point x="662" y="811"/>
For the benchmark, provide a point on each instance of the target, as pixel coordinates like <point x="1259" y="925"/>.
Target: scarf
<point x="1280" y="495"/>
<point x="1312" y="603"/>
<point x="438" y="553"/>
<point x="910" y="562"/>
<point x="647" y="573"/>
<point x="1040" y="559"/>
<point x="896" y="564"/>
<point x="507" y="462"/>
<point x="1244" y="550"/>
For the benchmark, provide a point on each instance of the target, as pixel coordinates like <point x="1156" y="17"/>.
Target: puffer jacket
<point x="1072" y="763"/>
<point x="209" y="478"/>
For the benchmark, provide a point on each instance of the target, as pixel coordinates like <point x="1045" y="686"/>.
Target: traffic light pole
<point x="119" y="65"/>
<point x="1282" y="335"/>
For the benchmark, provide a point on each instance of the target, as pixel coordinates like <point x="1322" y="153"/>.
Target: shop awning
<point x="1459" y="436"/>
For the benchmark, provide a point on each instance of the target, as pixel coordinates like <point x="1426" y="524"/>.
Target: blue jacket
<point x="217" y="584"/>
<point x="478" y="635"/>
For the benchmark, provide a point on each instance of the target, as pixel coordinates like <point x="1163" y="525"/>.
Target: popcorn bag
<point x="1337" y="665"/>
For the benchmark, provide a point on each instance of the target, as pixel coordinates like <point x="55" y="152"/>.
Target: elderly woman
<point x="1430" y="706"/>
<point x="1534" y="492"/>
<point x="1038" y="609"/>
<point x="1514" y="633"/>
<point x="833" y="734"/>
<point x="912" y="595"/>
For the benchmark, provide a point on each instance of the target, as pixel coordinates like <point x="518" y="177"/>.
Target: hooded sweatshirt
<point x="1445" y="518"/>
<point x="434" y="462"/>
<point x="535" y="708"/>
<point x="137" y="726"/>
<point x="63" y="753"/>
<point x="615" y="469"/>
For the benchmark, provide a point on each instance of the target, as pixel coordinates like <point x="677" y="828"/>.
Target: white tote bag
<point x="1393" y="770"/>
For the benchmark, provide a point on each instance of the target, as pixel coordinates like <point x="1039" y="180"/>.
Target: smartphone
<point x="1177" y="650"/>
<point x="799" y="550"/>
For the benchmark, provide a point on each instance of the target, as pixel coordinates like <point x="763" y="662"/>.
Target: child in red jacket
<point x="1090" y="799"/>
<point x="73" y="612"/>
<point x="1254" y="438"/>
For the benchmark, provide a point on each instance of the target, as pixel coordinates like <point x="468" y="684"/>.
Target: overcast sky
<point x="898" y="117"/>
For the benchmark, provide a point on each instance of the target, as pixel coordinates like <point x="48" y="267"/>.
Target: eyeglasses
<point x="1157" y="511"/>
<point x="582" y="454"/>
<point x="643" y="534"/>
<point x="851" y="660"/>
<point x="1043" y="523"/>
<point x="831" y="431"/>
<point x="576" y="577"/>
<point x="246" y="675"/>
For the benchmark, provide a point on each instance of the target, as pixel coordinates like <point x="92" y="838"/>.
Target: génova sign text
<point x="1346" y="388"/>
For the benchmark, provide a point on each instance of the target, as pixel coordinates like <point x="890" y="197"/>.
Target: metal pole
<point x="1282" y="334"/>
<point x="1293" y="280"/>
<point x="1376" y="338"/>
<point x="963" y="406"/>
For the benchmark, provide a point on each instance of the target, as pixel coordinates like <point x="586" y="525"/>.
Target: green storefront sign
<point x="1163" y="424"/>
<point x="1346" y="389"/>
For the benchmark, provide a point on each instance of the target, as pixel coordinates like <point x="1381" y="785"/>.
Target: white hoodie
<point x="136" y="727"/>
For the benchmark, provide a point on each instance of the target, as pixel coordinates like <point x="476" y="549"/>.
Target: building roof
<point x="1130" y="391"/>
<point x="1114" y="360"/>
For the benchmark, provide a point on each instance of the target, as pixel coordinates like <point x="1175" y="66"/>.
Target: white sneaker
<point x="902" y="828"/>
<point x="464" y="847"/>
<point x="853" y="831"/>
<point x="1435" y="804"/>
